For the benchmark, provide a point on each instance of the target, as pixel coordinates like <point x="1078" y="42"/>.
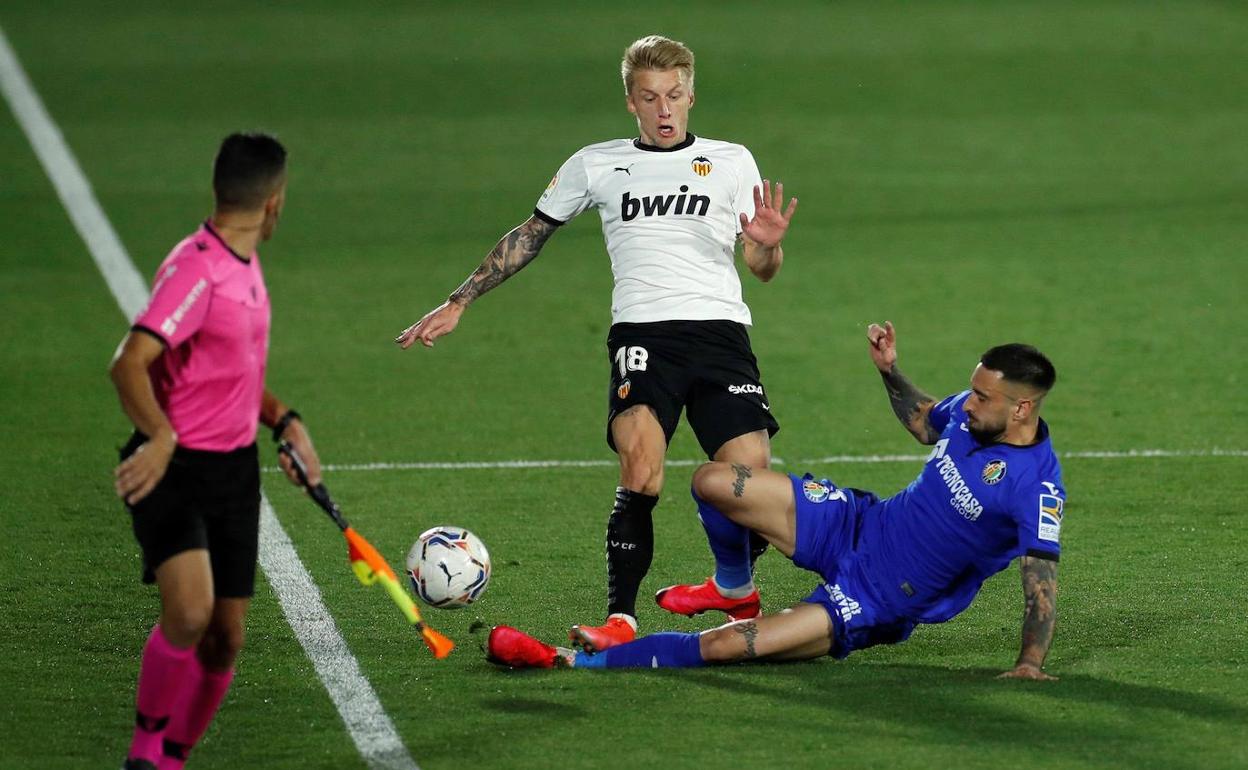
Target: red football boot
<point x="594" y="639"/>
<point x="695" y="599"/>
<point x="510" y="647"/>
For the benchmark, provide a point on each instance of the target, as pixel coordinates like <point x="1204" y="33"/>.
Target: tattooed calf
<point x="749" y="630"/>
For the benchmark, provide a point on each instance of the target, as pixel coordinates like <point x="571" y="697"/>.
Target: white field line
<point x="472" y="465"/>
<point x="366" y="721"/>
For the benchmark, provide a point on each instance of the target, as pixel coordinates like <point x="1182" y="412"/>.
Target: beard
<point x="985" y="434"/>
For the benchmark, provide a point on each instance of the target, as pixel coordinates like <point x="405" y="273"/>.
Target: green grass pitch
<point x="1067" y="173"/>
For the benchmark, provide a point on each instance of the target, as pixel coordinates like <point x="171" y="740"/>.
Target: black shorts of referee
<point x="205" y="500"/>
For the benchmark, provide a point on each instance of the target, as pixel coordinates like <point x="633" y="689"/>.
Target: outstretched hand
<point x="1027" y="671"/>
<point x="769" y="224"/>
<point x="441" y="320"/>
<point x="883" y="349"/>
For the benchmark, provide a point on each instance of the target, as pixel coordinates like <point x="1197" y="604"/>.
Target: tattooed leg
<point x="749" y="631"/>
<point x="757" y="499"/>
<point x="743" y="473"/>
<point x="798" y="633"/>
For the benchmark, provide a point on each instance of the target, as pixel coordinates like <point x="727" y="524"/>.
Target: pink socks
<point x="194" y="712"/>
<point x="162" y="674"/>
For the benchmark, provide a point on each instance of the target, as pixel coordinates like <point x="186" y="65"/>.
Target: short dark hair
<point x="1022" y="364"/>
<point x="247" y="169"/>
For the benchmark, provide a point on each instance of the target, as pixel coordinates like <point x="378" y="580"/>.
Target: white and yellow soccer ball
<point x="449" y="567"/>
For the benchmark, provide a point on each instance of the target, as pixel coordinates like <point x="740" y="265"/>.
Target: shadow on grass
<point x="1077" y="719"/>
<point x="1082" y="718"/>
<point x="939" y="683"/>
<point x="530" y="706"/>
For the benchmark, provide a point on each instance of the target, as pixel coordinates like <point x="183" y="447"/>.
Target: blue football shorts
<point x="828" y="522"/>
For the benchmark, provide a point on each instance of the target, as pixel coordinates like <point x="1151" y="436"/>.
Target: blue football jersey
<point x="974" y="508"/>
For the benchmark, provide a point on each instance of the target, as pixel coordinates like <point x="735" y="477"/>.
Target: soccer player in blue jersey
<point x="990" y="492"/>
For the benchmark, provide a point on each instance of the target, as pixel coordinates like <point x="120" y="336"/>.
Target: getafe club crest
<point x="993" y="472"/>
<point x="701" y="165"/>
<point x="815" y="491"/>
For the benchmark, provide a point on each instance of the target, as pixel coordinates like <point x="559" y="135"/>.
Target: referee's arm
<point x="139" y="474"/>
<point x="288" y="426"/>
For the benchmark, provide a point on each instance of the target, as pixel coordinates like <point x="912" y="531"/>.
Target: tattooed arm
<point x="512" y="252"/>
<point x="1039" y="618"/>
<point x="911" y="405"/>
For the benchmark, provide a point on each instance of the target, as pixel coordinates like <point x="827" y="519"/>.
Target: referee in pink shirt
<point x="190" y="375"/>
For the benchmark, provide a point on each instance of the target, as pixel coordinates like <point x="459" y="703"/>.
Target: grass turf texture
<point x="1065" y="174"/>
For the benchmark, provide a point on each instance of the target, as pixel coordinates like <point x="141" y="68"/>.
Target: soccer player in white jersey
<point x="673" y="207"/>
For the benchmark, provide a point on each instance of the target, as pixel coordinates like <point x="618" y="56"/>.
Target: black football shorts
<point x="705" y="368"/>
<point x="205" y="500"/>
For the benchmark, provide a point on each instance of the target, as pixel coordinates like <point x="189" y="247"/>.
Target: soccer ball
<point x="449" y="567"/>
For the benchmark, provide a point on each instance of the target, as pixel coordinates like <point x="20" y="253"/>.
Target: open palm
<point x="769" y="224"/>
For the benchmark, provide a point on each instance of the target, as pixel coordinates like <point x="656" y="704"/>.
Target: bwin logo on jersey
<point x="662" y="205"/>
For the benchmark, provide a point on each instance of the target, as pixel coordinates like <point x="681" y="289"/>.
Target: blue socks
<point x="666" y="650"/>
<point x="730" y="543"/>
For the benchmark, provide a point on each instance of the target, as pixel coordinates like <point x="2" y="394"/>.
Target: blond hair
<point x="655" y="52"/>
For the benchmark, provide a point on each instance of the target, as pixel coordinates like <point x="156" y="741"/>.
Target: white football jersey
<point x="670" y="220"/>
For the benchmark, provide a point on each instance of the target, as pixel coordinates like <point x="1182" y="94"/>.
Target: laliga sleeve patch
<point x="554" y="180"/>
<point x="1050" y="525"/>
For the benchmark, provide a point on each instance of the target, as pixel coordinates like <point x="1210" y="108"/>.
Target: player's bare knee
<point x="184" y="625"/>
<point x="712" y="482"/>
<point x="220" y="646"/>
<point x="642" y="472"/>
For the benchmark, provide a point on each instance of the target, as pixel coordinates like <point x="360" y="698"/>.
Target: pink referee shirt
<point x="211" y="309"/>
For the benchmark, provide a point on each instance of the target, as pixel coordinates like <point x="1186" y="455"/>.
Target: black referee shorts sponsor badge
<point x="993" y="472"/>
<point x="701" y="165"/>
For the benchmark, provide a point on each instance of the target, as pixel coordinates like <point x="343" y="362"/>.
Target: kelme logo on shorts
<point x="815" y="491"/>
<point x="993" y="472"/>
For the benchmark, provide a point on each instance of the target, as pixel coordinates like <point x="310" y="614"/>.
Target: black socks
<point x="630" y="548"/>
